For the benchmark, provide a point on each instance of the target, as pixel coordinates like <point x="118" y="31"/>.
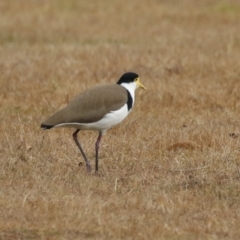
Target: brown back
<point x="91" y="105"/>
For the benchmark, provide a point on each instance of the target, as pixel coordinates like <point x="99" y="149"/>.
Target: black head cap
<point x="127" y="77"/>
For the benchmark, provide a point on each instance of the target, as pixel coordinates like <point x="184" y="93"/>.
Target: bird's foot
<point x="89" y="168"/>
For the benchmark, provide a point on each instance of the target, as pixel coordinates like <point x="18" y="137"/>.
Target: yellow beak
<point x="139" y="84"/>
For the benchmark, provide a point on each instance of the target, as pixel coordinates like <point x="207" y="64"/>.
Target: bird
<point x="98" y="108"/>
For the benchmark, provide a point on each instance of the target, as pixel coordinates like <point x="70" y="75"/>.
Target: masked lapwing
<point x="98" y="108"/>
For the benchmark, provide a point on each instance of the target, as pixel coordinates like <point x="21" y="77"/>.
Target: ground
<point x="171" y="170"/>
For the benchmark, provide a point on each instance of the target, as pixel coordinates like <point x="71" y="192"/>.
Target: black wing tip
<point x="45" y="127"/>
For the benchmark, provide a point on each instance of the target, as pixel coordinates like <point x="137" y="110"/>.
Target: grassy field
<point x="171" y="170"/>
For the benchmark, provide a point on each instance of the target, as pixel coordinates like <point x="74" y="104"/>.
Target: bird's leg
<point x="75" y="138"/>
<point x="97" y="147"/>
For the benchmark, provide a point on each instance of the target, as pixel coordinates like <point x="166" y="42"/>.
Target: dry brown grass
<point x="171" y="170"/>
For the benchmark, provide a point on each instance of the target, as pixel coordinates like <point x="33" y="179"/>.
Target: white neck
<point x="131" y="87"/>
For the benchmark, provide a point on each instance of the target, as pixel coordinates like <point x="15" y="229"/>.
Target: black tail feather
<point x="44" y="126"/>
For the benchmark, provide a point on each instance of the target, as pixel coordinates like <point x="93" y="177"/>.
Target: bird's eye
<point x="135" y="79"/>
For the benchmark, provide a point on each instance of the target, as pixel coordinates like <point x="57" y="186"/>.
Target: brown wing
<point x="91" y="105"/>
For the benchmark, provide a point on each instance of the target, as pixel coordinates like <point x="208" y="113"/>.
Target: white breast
<point x="109" y="120"/>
